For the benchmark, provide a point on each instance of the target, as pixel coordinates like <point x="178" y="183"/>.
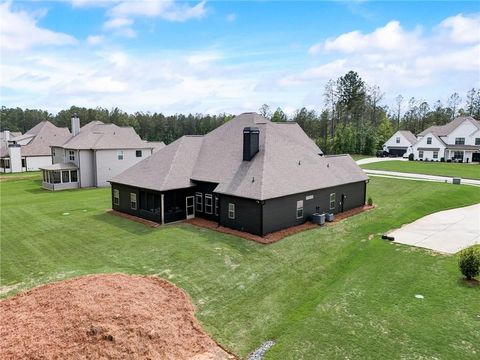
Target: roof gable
<point x="444" y="130"/>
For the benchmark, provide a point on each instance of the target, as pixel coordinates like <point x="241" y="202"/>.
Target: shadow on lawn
<point x="124" y="224"/>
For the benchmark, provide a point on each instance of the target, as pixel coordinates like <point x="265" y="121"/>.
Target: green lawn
<point x="466" y="171"/>
<point x="359" y="157"/>
<point x="334" y="292"/>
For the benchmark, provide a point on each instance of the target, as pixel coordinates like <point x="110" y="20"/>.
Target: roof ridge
<point x="173" y="161"/>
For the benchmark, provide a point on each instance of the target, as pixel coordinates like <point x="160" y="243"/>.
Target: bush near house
<point x="469" y="262"/>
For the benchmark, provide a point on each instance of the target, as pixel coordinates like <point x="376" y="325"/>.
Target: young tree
<point x="279" y="116"/>
<point x="264" y="110"/>
<point x="453" y="101"/>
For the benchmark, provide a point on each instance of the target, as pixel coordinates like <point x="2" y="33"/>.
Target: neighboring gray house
<point x="94" y="154"/>
<point x="30" y="151"/>
<point x="249" y="174"/>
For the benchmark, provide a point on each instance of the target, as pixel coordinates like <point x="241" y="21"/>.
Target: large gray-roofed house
<point x="249" y="174"/>
<point x="98" y="151"/>
<point x="31" y="151"/>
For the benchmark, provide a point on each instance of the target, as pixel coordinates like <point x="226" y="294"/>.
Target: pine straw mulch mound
<point x="104" y="317"/>
<point x="277" y="235"/>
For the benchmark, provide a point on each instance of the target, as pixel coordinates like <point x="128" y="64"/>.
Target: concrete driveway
<point x="446" y="231"/>
<point x="378" y="159"/>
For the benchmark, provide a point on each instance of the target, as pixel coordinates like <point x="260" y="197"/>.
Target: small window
<point x="477" y="141"/>
<point x="429" y="140"/>
<point x="199" y="201"/>
<point x="231" y="211"/>
<point x="300" y="209"/>
<point x="73" y="176"/>
<point x="53" y="152"/>
<point x="208" y="204"/>
<point x="65" y="176"/>
<point x="332" y="201"/>
<point x="420" y="154"/>
<point x="138" y="153"/>
<point x="71" y="155"/>
<point x="116" y="197"/>
<point x="24" y="163"/>
<point x="435" y="154"/>
<point x="397" y="140"/>
<point x="133" y="201"/>
<point x="120" y="154"/>
<point x="216" y="205"/>
<point x="460" y="141"/>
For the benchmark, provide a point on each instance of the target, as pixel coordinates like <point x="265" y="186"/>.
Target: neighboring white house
<point x="30" y="151"/>
<point x="94" y="154"/>
<point x="458" y="140"/>
<point x="400" y="143"/>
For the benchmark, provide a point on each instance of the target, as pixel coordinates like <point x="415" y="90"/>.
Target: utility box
<point x="318" y="219"/>
<point x="329" y="217"/>
<point x="457" y="181"/>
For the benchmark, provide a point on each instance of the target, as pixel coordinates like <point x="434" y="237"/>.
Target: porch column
<point x="162" y="210"/>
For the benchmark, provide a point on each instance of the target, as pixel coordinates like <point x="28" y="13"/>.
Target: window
<point x="397" y="140"/>
<point x="71" y="155"/>
<point x="420" y="154"/>
<point x="208" y="204"/>
<point x="150" y="202"/>
<point x="435" y="154"/>
<point x="459" y="141"/>
<point x="231" y="211"/>
<point x="133" y="201"/>
<point x="73" y="176"/>
<point x="56" y="177"/>
<point x="199" y="201"/>
<point x="216" y="205"/>
<point x="53" y="152"/>
<point x="138" y="153"/>
<point x="299" y="209"/>
<point x="120" y="154"/>
<point x="24" y="163"/>
<point x="65" y="176"/>
<point x="116" y="197"/>
<point x="332" y="201"/>
<point x="458" y="155"/>
<point x="477" y="141"/>
<point x="429" y="141"/>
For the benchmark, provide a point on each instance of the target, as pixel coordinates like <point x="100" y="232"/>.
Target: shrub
<point x="469" y="262"/>
<point x="370" y="201"/>
<point x="442" y="159"/>
<point x="410" y="157"/>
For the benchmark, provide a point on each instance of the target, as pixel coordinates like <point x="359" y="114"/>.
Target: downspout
<point x="365" y="192"/>
<point x="79" y="169"/>
<point x="95" y="167"/>
<point x="162" y="211"/>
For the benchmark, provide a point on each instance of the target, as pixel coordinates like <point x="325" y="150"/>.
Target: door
<point x="190" y="206"/>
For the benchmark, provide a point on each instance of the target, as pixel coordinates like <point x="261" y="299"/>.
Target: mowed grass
<point x="334" y="292"/>
<point x="359" y="156"/>
<point x="466" y="171"/>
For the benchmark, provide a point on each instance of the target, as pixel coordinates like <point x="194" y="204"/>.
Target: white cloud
<point x="231" y="17"/>
<point x="117" y="23"/>
<point x="95" y="39"/>
<point x="19" y="31"/>
<point x="461" y="28"/>
<point x="164" y="9"/>
<point x="391" y="37"/>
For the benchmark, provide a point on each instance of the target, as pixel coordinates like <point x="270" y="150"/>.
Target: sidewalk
<point x="422" y="177"/>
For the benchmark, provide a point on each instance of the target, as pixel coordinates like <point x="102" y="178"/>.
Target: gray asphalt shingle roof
<point x="412" y="139"/>
<point x="288" y="162"/>
<point x="444" y="130"/>
<point x="97" y="135"/>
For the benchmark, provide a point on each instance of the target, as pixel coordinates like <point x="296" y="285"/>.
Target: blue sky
<point x="216" y="56"/>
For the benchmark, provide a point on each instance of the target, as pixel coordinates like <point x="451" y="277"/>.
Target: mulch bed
<point x="277" y="235"/>
<point x="111" y="316"/>
<point x="149" y="223"/>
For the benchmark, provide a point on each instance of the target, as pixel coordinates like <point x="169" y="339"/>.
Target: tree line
<point x="353" y="119"/>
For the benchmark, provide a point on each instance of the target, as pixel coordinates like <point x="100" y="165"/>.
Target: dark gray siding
<point x="248" y="214"/>
<point x="281" y="213"/>
<point x="125" y="205"/>
<point x="205" y="188"/>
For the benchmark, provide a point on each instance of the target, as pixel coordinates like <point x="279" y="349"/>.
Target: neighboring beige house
<point x="30" y="151"/>
<point x="94" y="154"/>
<point x="400" y="143"/>
<point x="458" y="140"/>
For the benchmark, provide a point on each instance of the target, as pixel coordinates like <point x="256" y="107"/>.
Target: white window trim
<point x="299" y="208"/>
<point x="133" y="200"/>
<point x="420" y="154"/>
<point x="216" y="205"/>
<point x="332" y="201"/>
<point x="429" y="141"/>
<point x="231" y="211"/>
<point x="397" y="140"/>
<point x="435" y="154"/>
<point x="141" y="153"/>
<point x="120" y="155"/>
<point x="71" y="155"/>
<point x="116" y="197"/>
<point x="208" y="197"/>
<point x="198" y="204"/>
